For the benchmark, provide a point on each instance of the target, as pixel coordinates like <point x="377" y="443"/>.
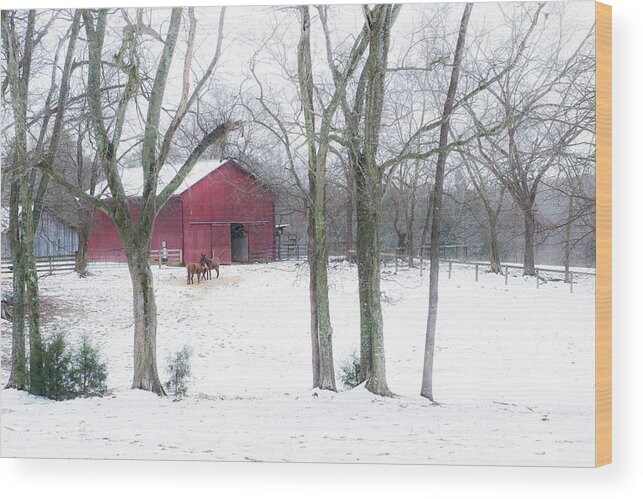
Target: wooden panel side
<point x="603" y="234"/>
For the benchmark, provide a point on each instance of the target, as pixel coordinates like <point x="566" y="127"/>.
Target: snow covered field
<point x="514" y="372"/>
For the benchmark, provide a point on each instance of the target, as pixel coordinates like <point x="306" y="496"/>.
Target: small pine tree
<point x="349" y="371"/>
<point x="178" y="369"/>
<point x="57" y="372"/>
<point x="90" y="374"/>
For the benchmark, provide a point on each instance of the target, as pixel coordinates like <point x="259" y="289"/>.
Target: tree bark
<point x="372" y="358"/>
<point x="18" y="376"/>
<point x="36" y="374"/>
<point x="494" y="249"/>
<point x="530" y="230"/>
<point x="326" y="364"/>
<point x="567" y="252"/>
<point x="426" y="226"/>
<point x="312" y="292"/>
<point x="410" y="227"/>
<point x="144" y="305"/>
<point x="350" y="203"/>
<point x="83" y="242"/>
<point x="438" y="187"/>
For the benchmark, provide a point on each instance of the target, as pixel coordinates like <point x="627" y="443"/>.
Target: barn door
<point x="199" y="241"/>
<point x="239" y="243"/>
<point x="221" y="243"/>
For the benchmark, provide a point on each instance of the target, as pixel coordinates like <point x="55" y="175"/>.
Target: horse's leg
<point x="217" y="269"/>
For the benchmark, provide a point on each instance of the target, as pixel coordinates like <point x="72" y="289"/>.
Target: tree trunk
<point x="145" y="369"/>
<point x="326" y="364"/>
<point x="312" y="293"/>
<point x="494" y="250"/>
<point x="530" y="230"/>
<point x="18" y="376"/>
<point x="434" y="271"/>
<point x="568" y="238"/>
<point x="350" y="203"/>
<point x="372" y="358"/>
<point x="410" y="222"/>
<point x="317" y="203"/>
<point x="83" y="242"/>
<point x="36" y="374"/>
<point x="434" y="275"/>
<point x="426" y="226"/>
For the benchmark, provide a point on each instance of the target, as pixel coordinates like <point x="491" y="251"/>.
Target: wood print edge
<point x="603" y="345"/>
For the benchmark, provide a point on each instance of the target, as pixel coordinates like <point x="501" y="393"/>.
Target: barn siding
<point x="104" y="238"/>
<point x="53" y="238"/>
<point x="229" y="194"/>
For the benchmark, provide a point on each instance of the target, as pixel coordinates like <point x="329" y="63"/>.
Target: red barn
<point x="221" y="209"/>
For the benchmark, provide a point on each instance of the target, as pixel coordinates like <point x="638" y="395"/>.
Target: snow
<point x="514" y="372"/>
<point x="132" y="177"/>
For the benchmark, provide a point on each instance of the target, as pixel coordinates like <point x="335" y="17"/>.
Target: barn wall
<point x="53" y="238"/>
<point x="168" y="226"/>
<point x="104" y="239"/>
<point x="229" y="194"/>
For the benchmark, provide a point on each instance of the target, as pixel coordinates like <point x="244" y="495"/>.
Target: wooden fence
<point x="170" y="257"/>
<point x="107" y="258"/>
<point x="48" y="265"/>
<point x="568" y="276"/>
<point x="540" y="271"/>
<point x="45" y="265"/>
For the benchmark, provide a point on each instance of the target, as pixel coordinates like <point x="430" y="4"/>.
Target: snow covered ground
<point x="514" y="372"/>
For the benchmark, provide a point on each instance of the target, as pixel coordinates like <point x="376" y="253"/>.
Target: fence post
<point x="449" y="270"/>
<point x="506" y="274"/>
<point x="159" y="257"/>
<point x="421" y="260"/>
<point x="396" y="260"/>
<point x="537" y="280"/>
<point x="476" y="272"/>
<point x="571" y="282"/>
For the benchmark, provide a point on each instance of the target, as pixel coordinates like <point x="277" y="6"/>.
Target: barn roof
<point x="132" y="178"/>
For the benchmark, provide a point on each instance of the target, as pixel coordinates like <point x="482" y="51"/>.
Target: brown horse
<point x="210" y="263"/>
<point x="196" y="269"/>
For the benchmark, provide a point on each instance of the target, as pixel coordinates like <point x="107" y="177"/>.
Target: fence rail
<point x="569" y="275"/>
<point x="45" y="265"/>
<point x="291" y="251"/>
<point x="171" y="257"/>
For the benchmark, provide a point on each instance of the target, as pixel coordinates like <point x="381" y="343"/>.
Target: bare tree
<point x="491" y="195"/>
<point x="318" y="144"/>
<point x="536" y="133"/>
<point x="136" y="234"/>
<point x="369" y="175"/>
<point x="427" y="376"/>
<point x="25" y="196"/>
